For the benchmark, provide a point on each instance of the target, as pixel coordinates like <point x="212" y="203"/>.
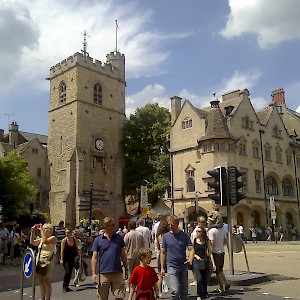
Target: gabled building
<point x="261" y="143"/>
<point x="33" y="147"/>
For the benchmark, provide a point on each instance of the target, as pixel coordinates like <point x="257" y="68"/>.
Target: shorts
<point x="113" y="281"/>
<point x="219" y="261"/>
<point x="3" y="248"/>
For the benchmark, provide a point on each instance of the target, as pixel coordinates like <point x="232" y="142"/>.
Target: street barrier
<point x="28" y="270"/>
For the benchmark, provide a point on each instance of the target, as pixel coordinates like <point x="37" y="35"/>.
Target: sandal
<point x="218" y="290"/>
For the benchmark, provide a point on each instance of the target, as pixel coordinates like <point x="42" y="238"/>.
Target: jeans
<point x="178" y="280"/>
<point x="202" y="279"/>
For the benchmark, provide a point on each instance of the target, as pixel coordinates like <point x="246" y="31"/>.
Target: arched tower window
<point x="98" y="94"/>
<point x="271" y="186"/>
<point x="62" y="92"/>
<point x="287" y="188"/>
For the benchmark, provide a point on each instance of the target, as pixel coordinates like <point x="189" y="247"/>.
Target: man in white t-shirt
<point x="144" y="231"/>
<point x="217" y="238"/>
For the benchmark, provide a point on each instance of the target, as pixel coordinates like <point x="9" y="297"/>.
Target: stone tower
<point x="86" y="129"/>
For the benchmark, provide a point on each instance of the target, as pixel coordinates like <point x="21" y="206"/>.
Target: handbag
<point x="42" y="266"/>
<point x="201" y="264"/>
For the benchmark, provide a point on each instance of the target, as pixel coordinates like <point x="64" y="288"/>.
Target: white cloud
<point x="259" y="103"/>
<point x="61" y="24"/>
<point x="272" y="22"/>
<point x="155" y="93"/>
<point x="240" y="80"/>
<point x="18" y="32"/>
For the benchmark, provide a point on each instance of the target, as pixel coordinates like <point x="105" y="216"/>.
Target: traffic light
<point x="219" y="185"/>
<point x="234" y="184"/>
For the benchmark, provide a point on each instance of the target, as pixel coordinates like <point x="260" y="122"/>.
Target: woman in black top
<point x="201" y="262"/>
<point x="69" y="255"/>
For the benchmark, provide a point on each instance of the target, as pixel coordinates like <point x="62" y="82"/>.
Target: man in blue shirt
<point x="174" y="245"/>
<point x="109" y="250"/>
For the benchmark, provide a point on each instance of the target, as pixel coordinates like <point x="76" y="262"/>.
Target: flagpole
<point x="116" y="36"/>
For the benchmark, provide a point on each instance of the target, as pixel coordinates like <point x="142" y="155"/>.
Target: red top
<point x="143" y="278"/>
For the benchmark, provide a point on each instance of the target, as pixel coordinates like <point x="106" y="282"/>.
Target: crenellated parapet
<point x="78" y="59"/>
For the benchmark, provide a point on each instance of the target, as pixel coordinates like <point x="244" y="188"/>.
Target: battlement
<point x="88" y="62"/>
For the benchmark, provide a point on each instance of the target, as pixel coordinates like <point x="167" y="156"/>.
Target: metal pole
<point x="172" y="184"/>
<point x="229" y="222"/>
<point x="91" y="203"/>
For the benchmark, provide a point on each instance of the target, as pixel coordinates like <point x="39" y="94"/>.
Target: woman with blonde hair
<point x="162" y="228"/>
<point x="42" y="236"/>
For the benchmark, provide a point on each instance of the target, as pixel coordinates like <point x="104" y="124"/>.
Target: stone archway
<point x="98" y="214"/>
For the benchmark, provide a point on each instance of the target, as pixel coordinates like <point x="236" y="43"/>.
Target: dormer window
<point x="246" y="122"/>
<point x="187" y="123"/>
<point x="276" y="132"/>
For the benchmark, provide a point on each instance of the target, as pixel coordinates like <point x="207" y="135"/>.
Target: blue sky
<point x="186" y="48"/>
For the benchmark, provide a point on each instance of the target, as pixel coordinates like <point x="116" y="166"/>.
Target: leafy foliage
<point x="15" y="185"/>
<point x="146" y="151"/>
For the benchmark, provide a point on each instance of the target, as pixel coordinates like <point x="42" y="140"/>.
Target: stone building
<point x="33" y="147"/>
<point x="86" y="130"/>
<point x="265" y="144"/>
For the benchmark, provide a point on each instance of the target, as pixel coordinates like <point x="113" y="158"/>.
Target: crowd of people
<point x="121" y="258"/>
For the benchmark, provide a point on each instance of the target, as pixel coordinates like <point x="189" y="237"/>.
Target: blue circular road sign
<point x="28" y="264"/>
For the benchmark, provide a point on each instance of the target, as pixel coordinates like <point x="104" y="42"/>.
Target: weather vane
<point x="85" y="53"/>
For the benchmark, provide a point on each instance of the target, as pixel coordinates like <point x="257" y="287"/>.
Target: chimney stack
<point x="278" y="97"/>
<point x="13" y="133"/>
<point x="175" y="108"/>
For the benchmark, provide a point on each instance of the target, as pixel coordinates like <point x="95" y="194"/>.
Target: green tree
<point x="146" y="151"/>
<point x="15" y="185"/>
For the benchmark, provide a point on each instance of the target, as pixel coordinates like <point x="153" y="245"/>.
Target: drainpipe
<point x="263" y="173"/>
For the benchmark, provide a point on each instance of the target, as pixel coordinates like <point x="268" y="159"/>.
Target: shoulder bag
<point x="42" y="265"/>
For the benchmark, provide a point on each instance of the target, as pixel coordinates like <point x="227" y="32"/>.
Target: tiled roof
<point x="29" y="136"/>
<point x="264" y="115"/>
<point x="216" y="125"/>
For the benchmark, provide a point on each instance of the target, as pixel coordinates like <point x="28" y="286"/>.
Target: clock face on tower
<point x="99" y="144"/>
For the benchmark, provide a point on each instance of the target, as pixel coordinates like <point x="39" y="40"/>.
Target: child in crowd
<point x="144" y="278"/>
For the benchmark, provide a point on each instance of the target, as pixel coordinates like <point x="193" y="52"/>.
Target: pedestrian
<point x="60" y="232"/>
<point x="134" y="241"/>
<point x="4" y="236"/>
<point x="144" y="231"/>
<point x="281" y="233"/>
<point x="269" y="233"/>
<point x="190" y="230"/>
<point x="17" y="247"/>
<point x="43" y="238"/>
<point x="253" y="234"/>
<point x="144" y="278"/>
<point x="109" y="250"/>
<point x="203" y="255"/>
<point x="173" y="249"/>
<point x="69" y="255"/>
<point x="163" y="227"/>
<point x="78" y="265"/>
<point x="217" y="239"/>
<point x="241" y="233"/>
